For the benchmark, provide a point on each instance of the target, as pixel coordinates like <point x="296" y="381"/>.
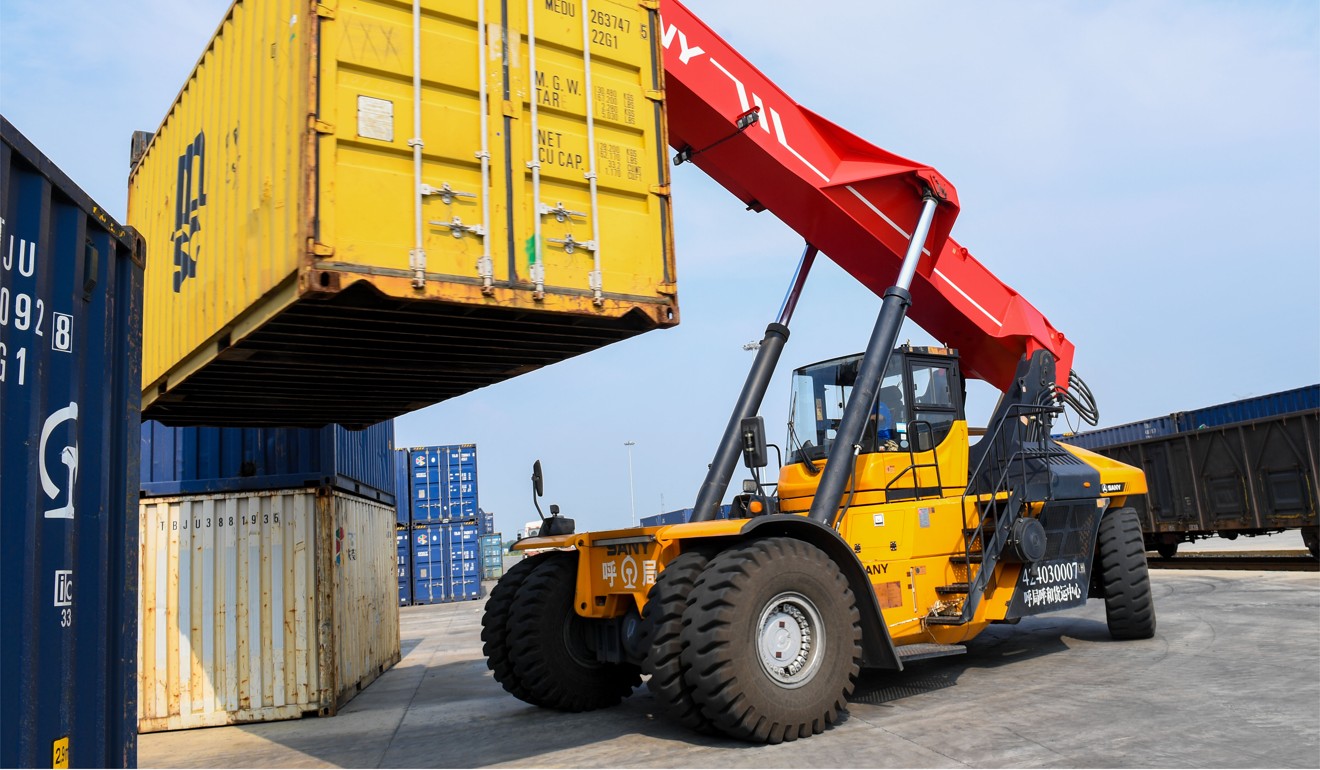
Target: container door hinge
<point x="655" y="94"/>
<point x="446" y="193"/>
<point x="510" y="111"/>
<point x="320" y="126"/>
<point x="668" y="289"/>
<point x="326" y="10"/>
<point x="570" y="245"/>
<point x="650" y="5"/>
<point x="320" y="250"/>
<point x="660" y="189"/>
<point x="458" y="229"/>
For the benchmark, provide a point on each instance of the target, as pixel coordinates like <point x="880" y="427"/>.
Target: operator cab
<point x="920" y="398"/>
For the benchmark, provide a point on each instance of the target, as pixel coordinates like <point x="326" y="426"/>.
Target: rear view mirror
<point x="753" y="436"/>
<point x="537" y="486"/>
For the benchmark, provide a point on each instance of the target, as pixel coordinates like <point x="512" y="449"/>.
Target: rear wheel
<point x="552" y="660"/>
<point x="771" y="641"/>
<point x="1167" y="550"/>
<point x="663" y="624"/>
<point x="1121" y="556"/>
<point x="495" y="625"/>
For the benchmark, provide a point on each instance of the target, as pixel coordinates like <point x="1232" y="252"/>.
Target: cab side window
<point x="933" y="400"/>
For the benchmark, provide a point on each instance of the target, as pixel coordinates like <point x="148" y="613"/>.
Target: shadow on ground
<point x="456" y="715"/>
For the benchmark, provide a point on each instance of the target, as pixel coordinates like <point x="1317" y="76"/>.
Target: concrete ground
<point x="1232" y="679"/>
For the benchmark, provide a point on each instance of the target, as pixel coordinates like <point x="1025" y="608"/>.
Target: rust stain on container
<point x="286" y="210"/>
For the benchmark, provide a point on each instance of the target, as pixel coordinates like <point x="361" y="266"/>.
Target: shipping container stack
<point x="445" y="524"/>
<point x="281" y="517"/>
<point x="403" y="526"/>
<point x="487" y="521"/>
<point x="492" y="556"/>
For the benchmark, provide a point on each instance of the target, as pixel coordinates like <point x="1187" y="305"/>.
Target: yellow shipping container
<point x="359" y="225"/>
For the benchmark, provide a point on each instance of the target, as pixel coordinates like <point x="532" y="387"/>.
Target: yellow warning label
<point x="60" y="754"/>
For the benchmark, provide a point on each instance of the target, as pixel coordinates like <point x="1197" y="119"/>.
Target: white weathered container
<point x="258" y="606"/>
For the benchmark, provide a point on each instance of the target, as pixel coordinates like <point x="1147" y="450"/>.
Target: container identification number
<point x="206" y="522"/>
<point x="24" y="312"/>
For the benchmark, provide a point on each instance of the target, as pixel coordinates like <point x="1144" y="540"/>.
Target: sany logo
<point x="686" y="53"/>
<point x="69" y="456"/>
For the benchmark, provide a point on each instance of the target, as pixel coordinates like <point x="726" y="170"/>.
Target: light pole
<point x="631" y="502"/>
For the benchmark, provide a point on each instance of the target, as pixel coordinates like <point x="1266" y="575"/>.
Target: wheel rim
<point x="790" y="640"/>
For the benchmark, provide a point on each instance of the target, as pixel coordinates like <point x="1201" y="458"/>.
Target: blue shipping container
<point x="1306" y="399"/>
<point x="443" y="483"/>
<point x="70" y="385"/>
<point x="403" y="543"/>
<point x="487" y="522"/>
<point x="402" y="501"/>
<point x="188" y="461"/>
<point x="680" y="516"/>
<point x="446" y="562"/>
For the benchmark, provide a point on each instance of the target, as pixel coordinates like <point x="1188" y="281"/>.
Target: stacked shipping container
<point x="444" y="483"/>
<point x="267" y="571"/>
<point x="492" y="556"/>
<point x="439" y="519"/>
<point x="446" y="562"/>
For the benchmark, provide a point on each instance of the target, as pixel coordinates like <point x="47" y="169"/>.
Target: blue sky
<point x="1146" y="173"/>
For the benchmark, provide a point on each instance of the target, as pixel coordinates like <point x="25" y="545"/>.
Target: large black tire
<point x="662" y="623"/>
<point x="1121" y="557"/>
<point x="495" y="625"/>
<point x="552" y="662"/>
<point x="1167" y="550"/>
<point x="772" y="641"/>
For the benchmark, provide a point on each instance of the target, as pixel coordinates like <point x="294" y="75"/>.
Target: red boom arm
<point x="849" y="198"/>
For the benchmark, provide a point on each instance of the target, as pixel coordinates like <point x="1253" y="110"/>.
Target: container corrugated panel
<point x="258" y="606"/>
<point x="1257" y="408"/>
<point x="446" y="563"/>
<point x="284" y="209"/>
<point x="70" y="356"/>
<point x="186" y="461"/>
<point x="443" y="483"/>
<point x="1122" y="434"/>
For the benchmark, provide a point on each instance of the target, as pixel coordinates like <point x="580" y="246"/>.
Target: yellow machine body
<point x="907" y="548"/>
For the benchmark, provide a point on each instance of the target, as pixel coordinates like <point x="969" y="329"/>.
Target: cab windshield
<point x="822" y="391"/>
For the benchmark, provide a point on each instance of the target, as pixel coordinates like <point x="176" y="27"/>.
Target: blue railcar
<point x="1305" y="399"/>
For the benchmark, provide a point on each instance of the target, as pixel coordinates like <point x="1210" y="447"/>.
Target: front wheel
<point x="771" y="641"/>
<point x="553" y="662"/>
<point x="1125" y="576"/>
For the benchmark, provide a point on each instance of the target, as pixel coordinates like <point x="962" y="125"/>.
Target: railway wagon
<point x="1249" y="476"/>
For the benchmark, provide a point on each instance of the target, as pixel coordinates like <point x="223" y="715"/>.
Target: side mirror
<point x="537" y="483"/>
<point x="753" y="436"/>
